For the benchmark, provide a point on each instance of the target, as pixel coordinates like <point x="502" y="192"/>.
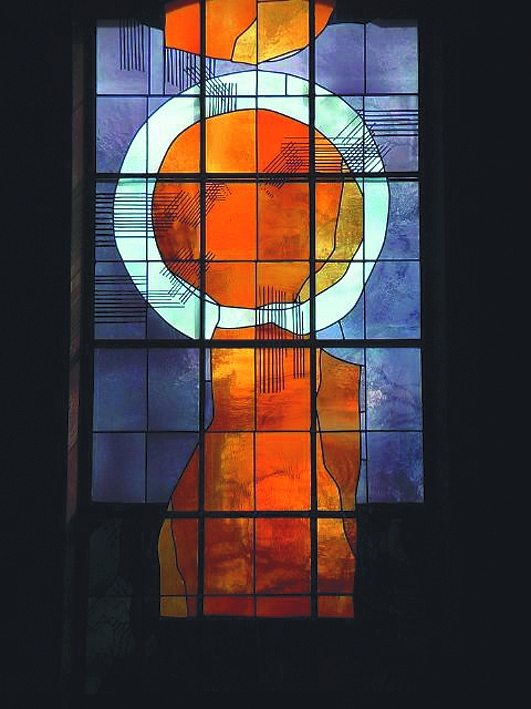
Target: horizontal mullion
<point x="258" y="514"/>
<point x="256" y="344"/>
<point x="253" y="176"/>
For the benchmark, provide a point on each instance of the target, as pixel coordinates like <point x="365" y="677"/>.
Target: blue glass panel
<point x="167" y="455"/>
<point x="393" y="389"/>
<point x="391" y="59"/>
<point x="402" y="236"/>
<point x="119" y="309"/>
<point x="119" y="461"/>
<point x="120" y="390"/>
<point x="173" y="384"/>
<point x="117" y="121"/>
<point x="392" y="300"/>
<point x="395" y="467"/>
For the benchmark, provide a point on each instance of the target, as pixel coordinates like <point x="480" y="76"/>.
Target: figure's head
<point x="257" y="229"/>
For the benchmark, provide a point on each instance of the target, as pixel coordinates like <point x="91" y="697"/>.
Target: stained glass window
<point x="256" y="312"/>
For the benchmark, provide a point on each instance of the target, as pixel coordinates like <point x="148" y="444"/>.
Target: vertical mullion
<point x="202" y="350"/>
<point x="312" y="349"/>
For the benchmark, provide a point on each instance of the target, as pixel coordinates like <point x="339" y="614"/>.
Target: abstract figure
<point x="261" y="519"/>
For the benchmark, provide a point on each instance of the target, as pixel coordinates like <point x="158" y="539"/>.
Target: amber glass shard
<point x="328" y="491"/>
<point x="229" y="483"/>
<point x="283" y="606"/>
<point x="327" y="203"/>
<point x="178" y="561"/>
<point x="335" y="606"/>
<point x="233" y="389"/>
<point x="338" y="395"/>
<point x="171" y="581"/>
<point x="282" y="555"/>
<point x="341" y="460"/>
<point x="228" y="605"/>
<point x="335" y="560"/>
<point x="173" y="607"/>
<point x="228" y="556"/>
<point x="283" y="471"/>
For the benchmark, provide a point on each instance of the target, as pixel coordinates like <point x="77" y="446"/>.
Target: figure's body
<point x="258" y="447"/>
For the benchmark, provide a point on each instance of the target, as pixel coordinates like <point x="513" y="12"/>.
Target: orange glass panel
<point x="226" y="20"/>
<point x="176" y="214"/>
<point x="233" y="389"/>
<point x="335" y="606"/>
<point x="228" y="556"/>
<point x="283" y="277"/>
<point x="335" y="560"/>
<point x="183" y="153"/>
<point x="283" y="389"/>
<point x="228" y="605"/>
<point x="229" y="479"/>
<point x="231" y="221"/>
<point x="283" y="471"/>
<point x="230" y="142"/>
<point x="232" y="283"/>
<point x="283" y="606"/>
<point x="282" y="143"/>
<point x="282" y="555"/>
<point x="283" y="221"/>
<point x="182" y="25"/>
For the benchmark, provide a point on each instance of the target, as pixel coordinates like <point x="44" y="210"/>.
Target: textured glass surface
<point x="245" y="221"/>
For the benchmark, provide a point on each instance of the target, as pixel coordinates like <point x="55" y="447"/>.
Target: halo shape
<point x="177" y="301"/>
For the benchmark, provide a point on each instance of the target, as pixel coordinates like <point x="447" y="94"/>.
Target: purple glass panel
<point x="393" y="389"/>
<point x="119" y="467"/>
<point x="167" y="455"/>
<point x="402" y="237"/>
<point x="395" y="467"/>
<point x="117" y="121"/>
<point x="392" y="300"/>
<point x="173" y="384"/>
<point x="391" y="59"/>
<point x="120" y="390"/>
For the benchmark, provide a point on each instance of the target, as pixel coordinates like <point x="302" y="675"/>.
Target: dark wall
<point x="35" y="350"/>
